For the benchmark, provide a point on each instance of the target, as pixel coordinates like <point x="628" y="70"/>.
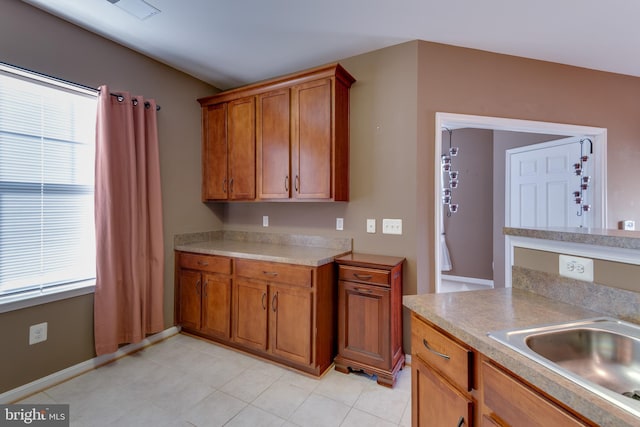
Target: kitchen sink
<point x="600" y="354"/>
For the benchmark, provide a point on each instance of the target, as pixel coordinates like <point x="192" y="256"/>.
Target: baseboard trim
<point x="43" y="383"/>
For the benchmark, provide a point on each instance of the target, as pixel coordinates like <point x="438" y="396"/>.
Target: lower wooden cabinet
<point x="453" y="385"/>
<point x="441" y="373"/>
<point x="283" y="312"/>
<point x="438" y="402"/>
<point x="203" y="295"/>
<point x="509" y="402"/>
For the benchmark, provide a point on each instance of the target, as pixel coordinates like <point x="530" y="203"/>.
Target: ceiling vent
<point x="138" y="8"/>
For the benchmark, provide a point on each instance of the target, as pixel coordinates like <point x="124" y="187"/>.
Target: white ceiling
<point x="229" y="43"/>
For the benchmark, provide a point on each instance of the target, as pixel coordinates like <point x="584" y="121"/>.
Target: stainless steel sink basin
<point x="600" y="354"/>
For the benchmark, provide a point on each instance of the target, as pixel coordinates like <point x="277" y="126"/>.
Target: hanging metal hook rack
<point x="446" y="165"/>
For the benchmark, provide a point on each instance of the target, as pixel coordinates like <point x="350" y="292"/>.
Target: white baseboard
<point x="81" y="368"/>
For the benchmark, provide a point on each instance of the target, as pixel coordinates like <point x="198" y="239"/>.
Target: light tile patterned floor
<point x="184" y="381"/>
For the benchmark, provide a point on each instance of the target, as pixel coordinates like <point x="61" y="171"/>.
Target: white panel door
<point x="542" y="182"/>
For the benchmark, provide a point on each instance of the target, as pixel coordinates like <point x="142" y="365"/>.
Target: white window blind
<point x="47" y="149"/>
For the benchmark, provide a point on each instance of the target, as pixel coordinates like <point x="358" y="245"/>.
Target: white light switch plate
<point x="37" y="333"/>
<point x="391" y="226"/>
<point x="340" y="224"/>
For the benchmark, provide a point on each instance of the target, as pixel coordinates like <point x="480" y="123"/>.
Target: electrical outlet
<point x="37" y="333"/>
<point x="576" y="267"/>
<point x="340" y="224"/>
<point x="392" y="226"/>
<point x="627" y="224"/>
<point x="265" y="220"/>
<point x="371" y="225"/>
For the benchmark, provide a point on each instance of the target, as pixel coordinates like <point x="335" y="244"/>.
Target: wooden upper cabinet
<point x="273" y="145"/>
<point x="228" y="150"/>
<point x="241" y="125"/>
<point x="312" y="140"/>
<point x="214" y="152"/>
<point x="287" y="139"/>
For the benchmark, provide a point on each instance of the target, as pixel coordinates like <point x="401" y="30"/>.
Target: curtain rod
<point x="25" y="72"/>
<point x="135" y="102"/>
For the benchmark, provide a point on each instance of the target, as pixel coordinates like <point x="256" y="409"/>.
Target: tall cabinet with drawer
<point x="283" y="312"/>
<point x="370" y="316"/>
<point x="296" y="128"/>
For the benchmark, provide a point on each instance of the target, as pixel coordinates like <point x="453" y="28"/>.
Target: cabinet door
<point x="312" y="143"/>
<point x="435" y="403"/>
<point x="216" y="305"/>
<point x="241" y="127"/>
<point x="364" y="323"/>
<point x="273" y="145"/>
<point x="190" y="286"/>
<point x="518" y="405"/>
<point x="291" y="325"/>
<point x="214" y="152"/>
<point x="250" y="303"/>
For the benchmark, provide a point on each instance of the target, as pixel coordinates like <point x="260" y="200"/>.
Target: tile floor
<point x="184" y="381"/>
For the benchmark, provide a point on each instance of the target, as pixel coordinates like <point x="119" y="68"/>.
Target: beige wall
<point x="469" y="231"/>
<point x="33" y="39"/>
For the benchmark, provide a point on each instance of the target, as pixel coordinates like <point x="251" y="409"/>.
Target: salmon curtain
<point x="128" y="214"/>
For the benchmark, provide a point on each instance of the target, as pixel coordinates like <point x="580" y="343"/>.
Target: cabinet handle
<point x="297" y="183"/>
<point x="264" y="296"/>
<point x="363" y="276"/>
<point x="437" y="353"/>
<point x="224" y="185"/>
<point x="270" y="273"/>
<point x="460" y="422"/>
<point x="231" y="186"/>
<point x="203" y="263"/>
<point x="274" y="302"/>
<point x="286" y="183"/>
<point x="204" y="288"/>
<point x="198" y="287"/>
<point x="364" y="291"/>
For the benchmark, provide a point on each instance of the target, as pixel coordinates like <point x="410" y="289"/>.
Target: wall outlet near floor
<point x="340" y="224"/>
<point x="576" y="267"/>
<point x="265" y="220"/>
<point x="371" y="225"/>
<point x="391" y="226"/>
<point x="37" y="333"/>
<point x="627" y="224"/>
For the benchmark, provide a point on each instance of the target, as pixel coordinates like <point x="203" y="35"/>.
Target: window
<point x="47" y="149"/>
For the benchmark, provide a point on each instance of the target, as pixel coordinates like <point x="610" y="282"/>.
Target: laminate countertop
<point x="311" y="251"/>
<point x="470" y="316"/>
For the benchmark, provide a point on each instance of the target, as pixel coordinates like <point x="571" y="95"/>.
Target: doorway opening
<point x="501" y="128"/>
